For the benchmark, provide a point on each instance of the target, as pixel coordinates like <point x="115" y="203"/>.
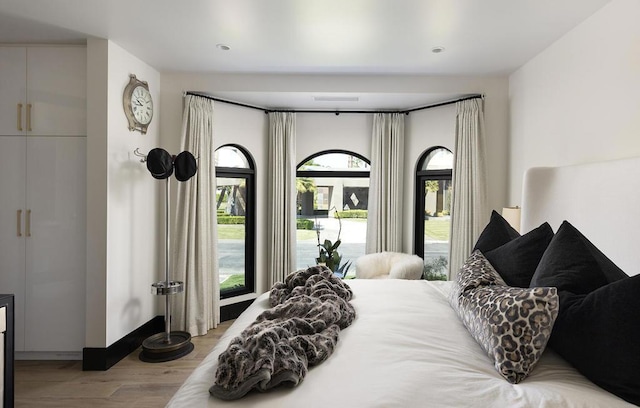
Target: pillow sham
<point x="598" y="334"/>
<point x="571" y="262"/>
<point x="512" y="325"/>
<point x="497" y="233"/>
<point x="517" y="260"/>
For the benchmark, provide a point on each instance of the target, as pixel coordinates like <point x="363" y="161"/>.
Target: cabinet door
<point x="56" y="91"/>
<point x="12" y="241"/>
<point x="55" y="249"/>
<point x="13" y="90"/>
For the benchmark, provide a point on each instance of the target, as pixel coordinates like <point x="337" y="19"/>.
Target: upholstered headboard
<point x="601" y="199"/>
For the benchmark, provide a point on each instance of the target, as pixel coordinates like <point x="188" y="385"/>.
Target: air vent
<point x="336" y="98"/>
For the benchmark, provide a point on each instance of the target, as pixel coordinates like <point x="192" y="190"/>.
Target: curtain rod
<point x="336" y="112"/>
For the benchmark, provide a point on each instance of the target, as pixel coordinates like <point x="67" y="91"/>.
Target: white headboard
<point x="602" y="200"/>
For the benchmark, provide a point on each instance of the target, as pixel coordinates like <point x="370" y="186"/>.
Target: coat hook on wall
<point x="143" y="157"/>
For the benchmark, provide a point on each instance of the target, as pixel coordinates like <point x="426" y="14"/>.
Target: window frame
<point x="333" y="173"/>
<point x="422" y="176"/>
<point x="249" y="175"/>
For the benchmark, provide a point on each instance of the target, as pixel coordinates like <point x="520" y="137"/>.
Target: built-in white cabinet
<point x="43" y="91"/>
<point x="43" y="194"/>
<point x="42" y="239"/>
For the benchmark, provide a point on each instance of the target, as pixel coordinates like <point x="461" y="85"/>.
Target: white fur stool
<point x="393" y="265"/>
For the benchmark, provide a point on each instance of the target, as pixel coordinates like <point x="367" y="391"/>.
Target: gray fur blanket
<point x="300" y="330"/>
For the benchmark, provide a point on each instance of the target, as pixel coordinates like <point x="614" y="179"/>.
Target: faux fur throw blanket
<point x="300" y="330"/>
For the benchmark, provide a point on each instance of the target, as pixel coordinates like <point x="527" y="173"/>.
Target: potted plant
<point x="328" y="254"/>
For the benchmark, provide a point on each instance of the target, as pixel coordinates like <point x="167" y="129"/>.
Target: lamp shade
<point x="512" y="216"/>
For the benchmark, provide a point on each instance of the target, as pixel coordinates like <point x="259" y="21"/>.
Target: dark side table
<point x="6" y="304"/>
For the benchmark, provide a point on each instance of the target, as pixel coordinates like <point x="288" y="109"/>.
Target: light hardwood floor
<point x="129" y="383"/>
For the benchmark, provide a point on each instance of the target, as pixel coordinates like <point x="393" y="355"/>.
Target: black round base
<point x="158" y="348"/>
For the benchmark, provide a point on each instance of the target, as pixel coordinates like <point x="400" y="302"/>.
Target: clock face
<point x="142" y="105"/>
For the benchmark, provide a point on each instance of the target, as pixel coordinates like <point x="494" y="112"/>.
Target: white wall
<point x="125" y="203"/>
<point x="321" y="131"/>
<point x="578" y="101"/>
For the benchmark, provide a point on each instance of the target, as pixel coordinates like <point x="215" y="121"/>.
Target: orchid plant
<point x="328" y="254"/>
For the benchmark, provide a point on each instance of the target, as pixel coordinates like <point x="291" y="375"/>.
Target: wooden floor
<point x="129" y="383"/>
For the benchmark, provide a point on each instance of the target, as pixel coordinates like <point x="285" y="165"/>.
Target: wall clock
<point x="138" y="105"/>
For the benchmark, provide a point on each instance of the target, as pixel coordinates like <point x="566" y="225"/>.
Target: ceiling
<point x="331" y="37"/>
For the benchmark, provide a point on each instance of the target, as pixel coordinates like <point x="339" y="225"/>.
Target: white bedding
<point x="406" y="348"/>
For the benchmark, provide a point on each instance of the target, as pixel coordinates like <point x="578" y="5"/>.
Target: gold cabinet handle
<point x="19" y="223"/>
<point x="20" y="117"/>
<point x="28" y="224"/>
<point x="28" y="117"/>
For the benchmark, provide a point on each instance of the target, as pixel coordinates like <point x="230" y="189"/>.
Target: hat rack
<point x="168" y="345"/>
<point x="143" y="157"/>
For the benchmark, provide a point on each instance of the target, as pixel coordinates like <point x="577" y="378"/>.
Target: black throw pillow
<point x="517" y="260"/>
<point x="574" y="264"/>
<point x="497" y="233"/>
<point x="598" y="334"/>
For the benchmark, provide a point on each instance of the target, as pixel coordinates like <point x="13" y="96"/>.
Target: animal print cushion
<point x="475" y="272"/>
<point x="513" y="325"/>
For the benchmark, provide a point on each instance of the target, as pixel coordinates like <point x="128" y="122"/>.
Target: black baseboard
<point x="230" y="312"/>
<point x="101" y="359"/>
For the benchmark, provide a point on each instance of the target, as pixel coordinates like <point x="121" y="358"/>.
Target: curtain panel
<point x="469" y="208"/>
<point x="384" y="220"/>
<point x="282" y="195"/>
<point x="194" y="251"/>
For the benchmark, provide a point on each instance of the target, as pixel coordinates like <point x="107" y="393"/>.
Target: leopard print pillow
<point x="475" y="272"/>
<point x="513" y="325"/>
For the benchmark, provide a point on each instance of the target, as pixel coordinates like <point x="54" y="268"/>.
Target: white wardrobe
<point x="43" y="196"/>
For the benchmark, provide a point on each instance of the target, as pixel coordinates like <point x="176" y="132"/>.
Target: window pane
<point x="230" y="156"/>
<point x="231" y="209"/>
<point x="335" y="162"/>
<point x="332" y="206"/>
<point x="438" y="159"/>
<point x="437" y="225"/>
<point x="318" y="200"/>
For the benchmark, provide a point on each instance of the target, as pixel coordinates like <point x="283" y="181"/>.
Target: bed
<point x="408" y="347"/>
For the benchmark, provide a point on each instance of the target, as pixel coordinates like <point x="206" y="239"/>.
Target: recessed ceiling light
<point x="223" y="47"/>
<point x="437" y="50"/>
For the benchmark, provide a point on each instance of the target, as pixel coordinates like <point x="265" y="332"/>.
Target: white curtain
<point x="194" y="251"/>
<point x="384" y="220"/>
<point x="282" y="197"/>
<point x="469" y="210"/>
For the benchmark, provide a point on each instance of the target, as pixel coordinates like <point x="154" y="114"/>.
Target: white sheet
<point x="406" y="348"/>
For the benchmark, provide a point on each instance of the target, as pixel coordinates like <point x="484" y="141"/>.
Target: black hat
<point x="159" y="163"/>
<point x="186" y="166"/>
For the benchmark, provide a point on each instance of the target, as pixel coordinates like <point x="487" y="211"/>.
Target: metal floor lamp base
<point x="158" y="348"/>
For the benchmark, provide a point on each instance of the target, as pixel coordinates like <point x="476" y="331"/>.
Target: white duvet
<point x="406" y="348"/>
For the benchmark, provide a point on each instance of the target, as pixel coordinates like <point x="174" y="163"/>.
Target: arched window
<point x="332" y="200"/>
<point x="235" y="210"/>
<point x="433" y="211"/>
